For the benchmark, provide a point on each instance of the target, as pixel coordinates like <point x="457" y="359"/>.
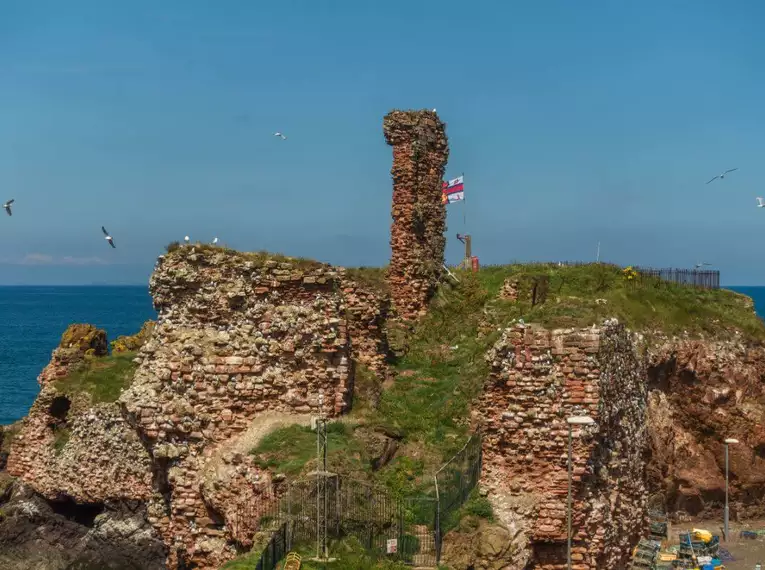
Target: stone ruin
<point x="420" y="152"/>
<point x="538" y="378"/>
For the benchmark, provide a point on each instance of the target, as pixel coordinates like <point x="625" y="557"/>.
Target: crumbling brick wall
<point x="420" y="152"/>
<point x="539" y="378"/>
<point x="238" y="336"/>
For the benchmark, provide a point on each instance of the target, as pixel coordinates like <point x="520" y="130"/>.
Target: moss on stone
<point x="60" y="439"/>
<point x="131" y="343"/>
<point x="83" y="338"/>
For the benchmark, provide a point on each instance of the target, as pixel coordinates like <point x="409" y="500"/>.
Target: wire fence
<point x="405" y="529"/>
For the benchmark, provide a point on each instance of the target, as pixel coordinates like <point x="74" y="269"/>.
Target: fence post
<point x="437" y="524"/>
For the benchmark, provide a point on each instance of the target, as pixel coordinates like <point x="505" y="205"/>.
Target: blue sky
<point x="574" y="122"/>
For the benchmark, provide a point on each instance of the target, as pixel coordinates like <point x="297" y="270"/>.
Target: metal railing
<point x="691" y="277"/>
<point x="405" y="529"/>
<point x="275" y="550"/>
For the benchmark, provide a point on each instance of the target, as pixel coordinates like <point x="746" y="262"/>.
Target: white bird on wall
<point x="186" y="239"/>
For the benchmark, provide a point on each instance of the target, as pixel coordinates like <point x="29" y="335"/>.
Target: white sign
<point x="392" y="545"/>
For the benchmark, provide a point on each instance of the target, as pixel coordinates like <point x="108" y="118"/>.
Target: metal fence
<point x="454" y="482"/>
<point x="405" y="529"/>
<point x="275" y="550"/>
<point x="647" y="276"/>
<point x="702" y="279"/>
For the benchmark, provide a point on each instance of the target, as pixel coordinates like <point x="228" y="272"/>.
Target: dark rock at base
<point x="34" y="536"/>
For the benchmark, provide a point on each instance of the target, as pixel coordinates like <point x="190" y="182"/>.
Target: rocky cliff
<point x="700" y="393"/>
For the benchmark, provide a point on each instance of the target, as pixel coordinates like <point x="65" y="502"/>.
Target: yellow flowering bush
<point x="629" y="273"/>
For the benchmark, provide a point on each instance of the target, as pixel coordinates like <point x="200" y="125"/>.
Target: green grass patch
<point x="60" y="439"/>
<point x="7" y="435"/>
<point x="476" y="507"/>
<point x="441" y="373"/>
<point x="371" y="277"/>
<point x="256" y="257"/>
<point x="243" y="562"/>
<point x="584" y="295"/>
<point x="102" y="378"/>
<point x="292" y="450"/>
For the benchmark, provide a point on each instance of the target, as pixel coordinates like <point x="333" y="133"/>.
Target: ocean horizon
<point x="35" y="316"/>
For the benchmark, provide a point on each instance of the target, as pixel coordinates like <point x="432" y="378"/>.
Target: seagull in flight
<point x="108" y="237"/>
<point x="721" y="176"/>
<point x="214" y="241"/>
<point x="760" y="202"/>
<point x="7" y="207"/>
<point x="278" y="134"/>
<point x="702" y="264"/>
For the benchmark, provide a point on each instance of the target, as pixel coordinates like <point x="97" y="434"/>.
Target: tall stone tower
<point x="420" y="152"/>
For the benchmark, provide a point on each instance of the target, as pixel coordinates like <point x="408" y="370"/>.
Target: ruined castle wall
<point x="420" y="152"/>
<point x="539" y="378"/>
<point x="367" y="314"/>
<point x="68" y="447"/>
<point x="237" y="336"/>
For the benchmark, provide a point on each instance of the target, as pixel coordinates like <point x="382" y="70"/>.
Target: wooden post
<point x="468" y="251"/>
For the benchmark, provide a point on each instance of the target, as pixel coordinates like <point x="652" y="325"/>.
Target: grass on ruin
<point x="290" y="450"/>
<point x="103" y="378"/>
<point x="257" y="257"/>
<point x="60" y="439"/>
<point x="372" y="277"/>
<point x="584" y="295"/>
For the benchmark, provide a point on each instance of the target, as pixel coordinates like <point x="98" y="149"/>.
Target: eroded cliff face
<point x="69" y="448"/>
<point x="539" y="378"/>
<point x="702" y="392"/>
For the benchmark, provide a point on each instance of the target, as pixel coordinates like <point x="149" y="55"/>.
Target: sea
<point x="32" y="320"/>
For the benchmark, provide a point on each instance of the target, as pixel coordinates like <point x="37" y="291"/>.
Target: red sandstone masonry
<point x="540" y="377"/>
<point x="420" y="152"/>
<point x="237" y="338"/>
